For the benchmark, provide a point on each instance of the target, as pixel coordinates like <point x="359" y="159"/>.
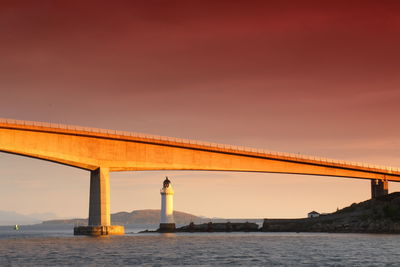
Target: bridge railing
<point x="194" y="142"/>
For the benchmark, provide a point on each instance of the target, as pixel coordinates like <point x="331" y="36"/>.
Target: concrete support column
<point x="379" y="188"/>
<point x="99" y="201"/>
<point x="99" y="207"/>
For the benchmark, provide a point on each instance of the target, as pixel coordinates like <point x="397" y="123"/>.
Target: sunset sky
<point x="312" y="77"/>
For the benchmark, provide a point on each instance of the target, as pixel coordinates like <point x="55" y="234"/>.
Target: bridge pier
<point x="379" y="188"/>
<point x="99" y="206"/>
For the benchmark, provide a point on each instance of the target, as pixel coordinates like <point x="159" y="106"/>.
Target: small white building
<point x="313" y="214"/>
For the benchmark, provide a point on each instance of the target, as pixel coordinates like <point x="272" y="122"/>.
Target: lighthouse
<point x="167" y="223"/>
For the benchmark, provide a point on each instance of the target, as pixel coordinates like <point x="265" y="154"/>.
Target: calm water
<point x="57" y="246"/>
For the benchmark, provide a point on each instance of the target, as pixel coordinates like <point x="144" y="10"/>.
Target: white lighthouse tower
<point x="167" y="223"/>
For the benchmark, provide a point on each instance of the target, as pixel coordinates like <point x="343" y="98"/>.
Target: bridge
<point x="102" y="151"/>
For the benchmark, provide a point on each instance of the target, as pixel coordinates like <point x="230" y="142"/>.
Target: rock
<point x="219" y="227"/>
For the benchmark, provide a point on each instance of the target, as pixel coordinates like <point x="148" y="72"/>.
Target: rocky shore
<point x="220" y="227"/>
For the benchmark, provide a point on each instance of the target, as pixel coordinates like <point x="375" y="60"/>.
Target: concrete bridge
<point x="102" y="151"/>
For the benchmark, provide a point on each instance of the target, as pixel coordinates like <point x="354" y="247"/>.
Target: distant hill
<point x="11" y="217"/>
<point x="136" y="217"/>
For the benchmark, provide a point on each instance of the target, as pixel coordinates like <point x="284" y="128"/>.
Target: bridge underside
<point x="102" y="153"/>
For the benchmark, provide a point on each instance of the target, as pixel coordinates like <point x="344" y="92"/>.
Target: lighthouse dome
<point x="167" y="187"/>
<point x="166" y="183"/>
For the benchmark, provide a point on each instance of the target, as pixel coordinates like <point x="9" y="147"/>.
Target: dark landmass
<point x="380" y="215"/>
<point x="135" y="217"/>
<point x="220" y="227"/>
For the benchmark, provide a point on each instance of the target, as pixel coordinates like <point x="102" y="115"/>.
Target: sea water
<point x="56" y="246"/>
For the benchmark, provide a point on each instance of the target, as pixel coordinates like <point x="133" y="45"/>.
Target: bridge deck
<point x="192" y="144"/>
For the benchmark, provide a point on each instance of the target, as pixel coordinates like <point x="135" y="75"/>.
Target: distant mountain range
<point x="146" y="217"/>
<point x="11" y="217"/>
<point x="136" y="217"/>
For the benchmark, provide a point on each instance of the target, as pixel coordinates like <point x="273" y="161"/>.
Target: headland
<point x="379" y="215"/>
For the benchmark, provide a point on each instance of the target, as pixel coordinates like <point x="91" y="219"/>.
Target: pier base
<point x="99" y="230"/>
<point x="379" y="188"/>
<point x="167" y="228"/>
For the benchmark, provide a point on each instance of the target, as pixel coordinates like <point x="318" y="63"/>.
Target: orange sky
<point x="315" y="77"/>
